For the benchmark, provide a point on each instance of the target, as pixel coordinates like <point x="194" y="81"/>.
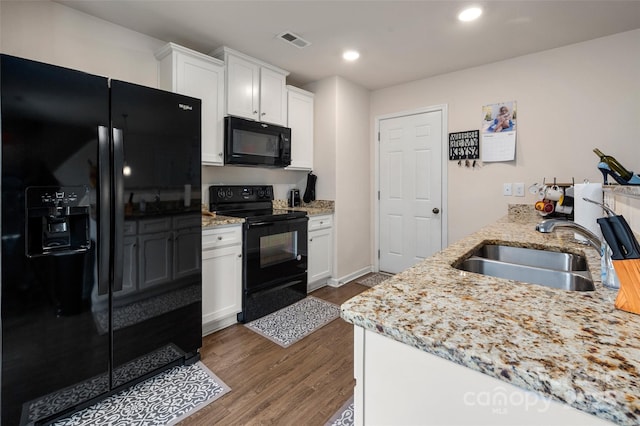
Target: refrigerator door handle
<point x="118" y="208"/>
<point x="104" y="209"/>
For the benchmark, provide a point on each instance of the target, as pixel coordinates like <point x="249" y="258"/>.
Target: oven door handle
<point x="276" y="222"/>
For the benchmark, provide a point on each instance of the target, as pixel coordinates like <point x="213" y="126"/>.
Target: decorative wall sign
<point x="464" y="145"/>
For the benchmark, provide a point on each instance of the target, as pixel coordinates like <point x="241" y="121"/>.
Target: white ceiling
<point x="399" y="41"/>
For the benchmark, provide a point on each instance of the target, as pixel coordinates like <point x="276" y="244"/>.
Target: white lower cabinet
<point x="320" y="246"/>
<point x="221" y="277"/>
<point x="397" y="384"/>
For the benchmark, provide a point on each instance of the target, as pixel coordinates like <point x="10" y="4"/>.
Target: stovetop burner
<point x="251" y="202"/>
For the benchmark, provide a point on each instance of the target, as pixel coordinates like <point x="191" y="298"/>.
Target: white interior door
<point x="410" y="189"/>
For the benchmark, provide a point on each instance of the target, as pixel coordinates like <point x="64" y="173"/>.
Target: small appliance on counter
<point x="294" y="198"/>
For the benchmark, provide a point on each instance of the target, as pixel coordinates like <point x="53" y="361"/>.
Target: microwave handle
<point x="280" y="145"/>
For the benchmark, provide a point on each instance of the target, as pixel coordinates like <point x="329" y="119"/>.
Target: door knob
<point x="435" y="210"/>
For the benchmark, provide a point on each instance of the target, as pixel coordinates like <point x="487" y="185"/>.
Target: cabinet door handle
<point x="255" y="112"/>
<point x="310" y="239"/>
<point x="239" y="255"/>
<point x="264" y="113"/>
<point x="321" y="223"/>
<point x="219" y="154"/>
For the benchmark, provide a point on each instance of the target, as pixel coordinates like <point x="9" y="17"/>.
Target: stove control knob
<point x="229" y="193"/>
<point x="260" y="193"/>
<point x="268" y="192"/>
<point x="220" y="193"/>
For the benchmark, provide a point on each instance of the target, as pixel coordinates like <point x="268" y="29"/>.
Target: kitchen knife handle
<point x="610" y="237"/>
<point x="118" y="208"/>
<point x="628" y="242"/>
<point x="104" y="210"/>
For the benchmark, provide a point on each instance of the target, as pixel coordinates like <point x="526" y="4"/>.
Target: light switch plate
<point x="518" y="189"/>
<point x="506" y="189"/>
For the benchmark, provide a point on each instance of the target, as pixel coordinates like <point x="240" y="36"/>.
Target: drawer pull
<point x="219" y="237"/>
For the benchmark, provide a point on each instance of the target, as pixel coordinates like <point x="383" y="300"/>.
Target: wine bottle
<point x="614" y="165"/>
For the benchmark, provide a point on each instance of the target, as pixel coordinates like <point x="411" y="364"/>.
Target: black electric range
<point x="274" y="247"/>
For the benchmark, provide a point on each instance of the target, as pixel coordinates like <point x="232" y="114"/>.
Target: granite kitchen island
<point x="566" y="348"/>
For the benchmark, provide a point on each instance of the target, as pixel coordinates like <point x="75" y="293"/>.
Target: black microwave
<point x="253" y="143"/>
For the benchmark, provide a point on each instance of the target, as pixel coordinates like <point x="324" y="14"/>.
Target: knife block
<point x="628" y="272"/>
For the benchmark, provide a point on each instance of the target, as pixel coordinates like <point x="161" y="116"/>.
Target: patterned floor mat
<point x="290" y="324"/>
<point x="162" y="400"/>
<point x="344" y="416"/>
<point x="373" y="279"/>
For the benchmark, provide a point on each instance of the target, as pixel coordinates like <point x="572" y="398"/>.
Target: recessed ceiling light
<point x="470" y="14"/>
<point x="351" y="55"/>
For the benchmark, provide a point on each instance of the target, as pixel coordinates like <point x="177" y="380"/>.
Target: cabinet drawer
<point x="221" y="237"/>
<point x="148" y="226"/>
<point x="320" y="222"/>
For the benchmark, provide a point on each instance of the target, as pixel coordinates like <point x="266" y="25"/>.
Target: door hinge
<point x="378" y="136"/>
<point x="378" y="254"/>
<point x="378" y="195"/>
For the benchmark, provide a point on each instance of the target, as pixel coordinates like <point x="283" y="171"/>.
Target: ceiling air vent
<point x="294" y="39"/>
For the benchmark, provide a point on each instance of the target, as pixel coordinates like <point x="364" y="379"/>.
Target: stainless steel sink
<point x="560" y="270"/>
<point x="533" y="257"/>
<point x="529" y="274"/>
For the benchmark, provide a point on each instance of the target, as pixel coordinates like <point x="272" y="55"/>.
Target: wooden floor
<point x="304" y="384"/>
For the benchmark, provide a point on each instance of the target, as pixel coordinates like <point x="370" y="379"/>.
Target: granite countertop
<point x="574" y="347"/>
<point x="219" y="220"/>
<point x="314" y="208"/>
<point x="626" y="190"/>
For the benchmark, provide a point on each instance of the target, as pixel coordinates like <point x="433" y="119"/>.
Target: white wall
<point x="55" y="34"/>
<point x="353" y="178"/>
<point x="343" y="165"/>
<point x="324" y="136"/>
<point x="570" y="100"/>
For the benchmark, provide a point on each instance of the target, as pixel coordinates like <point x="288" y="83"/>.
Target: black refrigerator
<point x="101" y="237"/>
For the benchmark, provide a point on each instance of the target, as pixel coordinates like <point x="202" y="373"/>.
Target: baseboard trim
<point x="339" y="282"/>
<point x="311" y="287"/>
<point x="217" y="325"/>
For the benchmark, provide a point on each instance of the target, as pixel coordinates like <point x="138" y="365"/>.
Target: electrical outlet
<point x="518" y="189"/>
<point x="506" y="189"/>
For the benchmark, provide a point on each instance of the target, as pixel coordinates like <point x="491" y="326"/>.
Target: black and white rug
<point x="344" y="416"/>
<point x="290" y="324"/>
<point x="373" y="279"/>
<point x="162" y="400"/>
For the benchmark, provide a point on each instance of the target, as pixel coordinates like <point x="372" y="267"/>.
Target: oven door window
<point x="274" y="253"/>
<point x="279" y="248"/>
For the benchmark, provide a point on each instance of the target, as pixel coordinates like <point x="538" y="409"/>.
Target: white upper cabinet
<point x="243" y="88"/>
<point x="300" y="119"/>
<point x="200" y="76"/>
<point x="255" y="90"/>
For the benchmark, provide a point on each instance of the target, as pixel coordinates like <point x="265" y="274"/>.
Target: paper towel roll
<point x="586" y="213"/>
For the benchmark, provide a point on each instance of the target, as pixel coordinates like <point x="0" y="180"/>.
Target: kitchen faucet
<point x="549" y="225"/>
